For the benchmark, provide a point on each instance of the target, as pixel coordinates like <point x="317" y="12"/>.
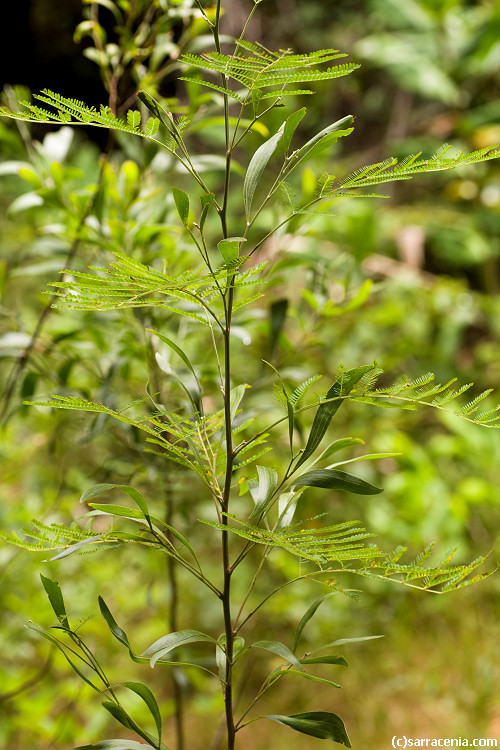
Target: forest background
<point x="412" y="281"/>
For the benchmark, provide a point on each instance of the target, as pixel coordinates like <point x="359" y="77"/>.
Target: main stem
<point x="228" y="304"/>
<point x="227" y="572"/>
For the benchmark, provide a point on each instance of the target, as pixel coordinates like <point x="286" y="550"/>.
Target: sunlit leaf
<point x="326" y="411"/>
<point x="324" y="138"/>
<point x="116" y="630"/>
<point x="322" y="724"/>
<point x="263" y="493"/>
<point x="168" y="643"/>
<point x="115" y="745"/>
<point x="75" y="547"/>
<point x="291" y="123"/>
<point x="134" y="494"/>
<point x="56" y="599"/>
<point x="329" y="659"/>
<point x="307" y="616"/>
<point x="182" y="204"/>
<point x="336" y="480"/>
<point x="281" y="650"/>
<point x="257" y="166"/>
<point x="147" y="696"/>
<point x="229" y="248"/>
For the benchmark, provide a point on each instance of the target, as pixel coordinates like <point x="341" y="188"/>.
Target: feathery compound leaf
<point x="285" y="77"/>
<point x="152" y="126"/>
<point x="214" y="87"/>
<point x="129" y="283"/>
<point x="473" y="405"/>
<point x="391" y="171"/>
<point x="74" y="112"/>
<point x="260" y="69"/>
<point x="343" y="544"/>
<point x="282" y="93"/>
<point x="57" y="536"/>
<point x="79" y="404"/>
<point x="300" y="391"/>
<point x="423" y="391"/>
<point x="133" y="118"/>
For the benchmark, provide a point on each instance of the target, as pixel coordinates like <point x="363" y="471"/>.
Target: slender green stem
<point x="92" y="660"/>
<point x="202" y="11"/>
<point x="282" y="223"/>
<point x="247" y="22"/>
<point x="244" y="552"/>
<point x="268" y="682"/>
<point x="258" y="434"/>
<point x="200" y="576"/>
<point x="227" y="571"/>
<point x="192" y="169"/>
<point x="223" y="209"/>
<point x="206" y="307"/>
<point x="255" y="119"/>
<point x="228" y="307"/>
<point x="251" y="586"/>
<point x="206" y="258"/>
<point x="261" y="604"/>
<point x="63" y="646"/>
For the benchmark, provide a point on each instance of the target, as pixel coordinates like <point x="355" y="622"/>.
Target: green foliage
<point x="390" y="170"/>
<point x="184" y="288"/>
<point x="342" y="543"/>
<point x="263" y="69"/>
<point x="326" y="726"/>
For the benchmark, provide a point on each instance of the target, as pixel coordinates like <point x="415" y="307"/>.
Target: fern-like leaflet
<point x="391" y="170"/>
<point x="260" y="68"/>
<point x="129" y="283"/>
<point x="343" y="544"/>
<point x="424" y="391"/>
<point x="67" y="111"/>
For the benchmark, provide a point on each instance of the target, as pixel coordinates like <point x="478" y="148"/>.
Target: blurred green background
<point x="411" y="281"/>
